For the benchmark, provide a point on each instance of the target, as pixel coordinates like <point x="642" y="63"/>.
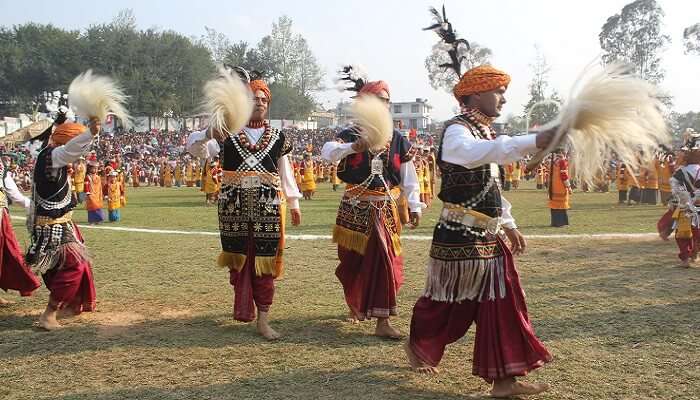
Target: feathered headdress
<point x="454" y="46"/>
<point x="96" y="96"/>
<point x="614" y="113"/>
<point x="351" y="78"/>
<point x="245" y="75"/>
<point x="229" y="101"/>
<point x="691" y="140"/>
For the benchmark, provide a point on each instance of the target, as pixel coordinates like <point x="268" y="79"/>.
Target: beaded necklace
<point x="262" y="142"/>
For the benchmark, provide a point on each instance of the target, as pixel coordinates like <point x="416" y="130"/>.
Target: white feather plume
<point x="34" y="148"/>
<point x="229" y="102"/>
<point x="95" y="96"/>
<point x="359" y="72"/>
<point x="372" y="115"/>
<point x="613" y="115"/>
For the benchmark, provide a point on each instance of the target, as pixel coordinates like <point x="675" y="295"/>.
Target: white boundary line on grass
<point x="598" y="236"/>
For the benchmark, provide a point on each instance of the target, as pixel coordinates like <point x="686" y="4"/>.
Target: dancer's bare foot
<point x="352" y="318"/>
<point x="685" y="264"/>
<point x="4" y="302"/>
<point x="385" y="330"/>
<point x="48" y="321"/>
<point x="264" y="328"/>
<point x="511" y="387"/>
<point x="416" y="364"/>
<point x="65" y="313"/>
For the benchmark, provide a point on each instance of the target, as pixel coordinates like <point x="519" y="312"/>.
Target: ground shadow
<point x="373" y="382"/>
<point x="21" y="337"/>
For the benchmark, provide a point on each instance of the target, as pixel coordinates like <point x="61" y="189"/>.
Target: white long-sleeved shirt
<point x="336" y="151"/>
<point x="14" y="193"/>
<point x="460" y="147"/>
<point x="199" y="146"/>
<point x="693" y="170"/>
<point x="71" y="151"/>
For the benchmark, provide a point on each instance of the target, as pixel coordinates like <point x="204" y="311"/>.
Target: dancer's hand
<point x="296" y="216"/>
<point x="544" y="138"/>
<point x="360" y="145"/>
<point x="517" y="241"/>
<point x="216" y="134"/>
<point x="415" y="220"/>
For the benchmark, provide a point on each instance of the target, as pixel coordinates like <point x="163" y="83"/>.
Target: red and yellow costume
<point x="471" y="272"/>
<point x="57" y="250"/>
<point x="256" y="187"/>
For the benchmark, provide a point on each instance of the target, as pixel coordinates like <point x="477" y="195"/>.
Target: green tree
<point x="691" y="39"/>
<point x="161" y="71"/>
<point x="542" y="112"/>
<point x="36" y="59"/>
<point x="680" y="122"/>
<point x="289" y="67"/>
<point x="446" y="79"/>
<point x="217" y="43"/>
<point x="634" y="36"/>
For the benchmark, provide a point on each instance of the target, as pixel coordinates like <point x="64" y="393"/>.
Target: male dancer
<point x="367" y="227"/>
<point x="257" y="184"/>
<point x="471" y="273"/>
<point x="57" y="250"/>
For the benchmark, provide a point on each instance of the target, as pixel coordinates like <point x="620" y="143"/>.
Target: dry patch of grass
<point x="621" y="319"/>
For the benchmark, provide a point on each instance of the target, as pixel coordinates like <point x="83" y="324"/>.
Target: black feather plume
<point x="256" y="75"/>
<point x="240" y="71"/>
<point x="354" y="75"/>
<point x="443" y="28"/>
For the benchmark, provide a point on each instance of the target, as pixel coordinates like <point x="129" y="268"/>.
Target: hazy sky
<point x="385" y="36"/>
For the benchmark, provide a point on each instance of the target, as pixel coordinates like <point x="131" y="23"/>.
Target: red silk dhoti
<point x="250" y="289"/>
<point x="14" y="273"/>
<point x="71" y="283"/>
<point x="505" y="343"/>
<point x="371" y="281"/>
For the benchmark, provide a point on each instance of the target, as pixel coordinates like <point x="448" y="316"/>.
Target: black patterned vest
<point x="475" y="188"/>
<point x="250" y="197"/>
<point x="52" y="198"/>
<point x="355" y="168"/>
<point x="51" y="187"/>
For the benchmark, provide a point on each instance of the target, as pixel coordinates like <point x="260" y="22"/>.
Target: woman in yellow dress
<point x="114" y="196"/>
<point x="297" y="173"/>
<point x="189" y="174"/>
<point x="167" y="175"/>
<point x="515" y="178"/>
<point x="178" y="174"/>
<point x="335" y="181"/>
<point x="210" y="183"/>
<point x="308" y="177"/>
<point x="198" y="173"/>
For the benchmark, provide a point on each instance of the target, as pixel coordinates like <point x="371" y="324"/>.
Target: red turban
<point x="375" y="88"/>
<point x="260" y="85"/>
<point x="480" y="79"/>
<point x="67" y="131"/>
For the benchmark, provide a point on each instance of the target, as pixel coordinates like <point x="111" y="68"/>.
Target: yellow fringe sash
<point x="683" y="225"/>
<point x="357" y="241"/>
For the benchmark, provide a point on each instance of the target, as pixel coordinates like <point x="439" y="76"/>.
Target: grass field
<point x="622" y="321"/>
